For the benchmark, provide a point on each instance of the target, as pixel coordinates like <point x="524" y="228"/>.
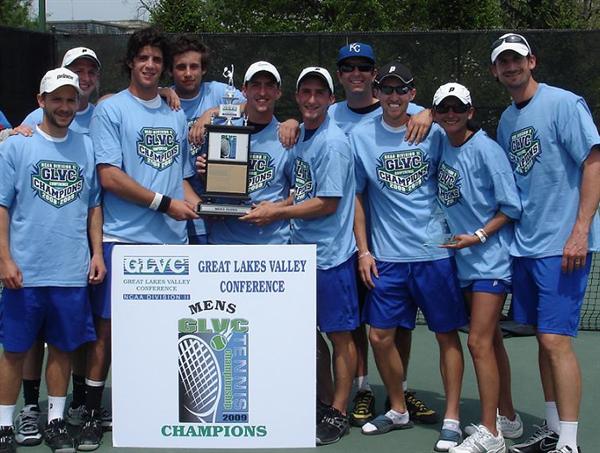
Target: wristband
<point x="481" y="234"/>
<point x="362" y="255"/>
<point x="164" y="204"/>
<point x="156" y="201"/>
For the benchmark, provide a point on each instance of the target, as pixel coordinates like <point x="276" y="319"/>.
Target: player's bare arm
<point x="10" y="274"/>
<point x="367" y="269"/>
<point x="289" y="131"/>
<point x="23" y="129"/>
<point x="418" y="126"/>
<point x="170" y="97"/>
<point x="97" y="266"/>
<point x="464" y="240"/>
<point x="576" y="247"/>
<point x="121" y="184"/>
<point x="268" y="212"/>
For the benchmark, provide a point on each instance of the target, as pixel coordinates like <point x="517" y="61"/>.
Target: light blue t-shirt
<point x="150" y="145"/>
<point x="210" y="95"/>
<point x="4" y="123"/>
<point x="547" y="142"/>
<point x="269" y="178"/>
<point x="347" y="119"/>
<point x="475" y="181"/>
<point x="81" y="122"/>
<point x="323" y="167"/>
<point x="401" y="190"/>
<point x="48" y="186"/>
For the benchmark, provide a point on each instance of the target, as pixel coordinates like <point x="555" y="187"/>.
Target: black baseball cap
<point x="397" y="70"/>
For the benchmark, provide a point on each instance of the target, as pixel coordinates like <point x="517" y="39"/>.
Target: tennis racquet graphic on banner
<point x="200" y="375"/>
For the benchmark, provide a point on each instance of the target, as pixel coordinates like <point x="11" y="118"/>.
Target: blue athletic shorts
<point x="198" y="239"/>
<point x="61" y="316"/>
<point x="100" y="294"/>
<point x="488" y="286"/>
<point x="546" y="297"/>
<point x="401" y="288"/>
<point x="337" y="298"/>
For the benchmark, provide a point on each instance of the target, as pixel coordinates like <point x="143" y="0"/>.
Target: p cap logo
<point x="392" y="69"/>
<point x="156" y="265"/>
<point x="451" y="89"/>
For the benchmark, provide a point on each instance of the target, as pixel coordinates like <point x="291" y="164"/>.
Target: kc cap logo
<point x="354" y="47"/>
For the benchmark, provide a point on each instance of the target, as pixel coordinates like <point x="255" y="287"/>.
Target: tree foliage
<point x="15" y="13"/>
<point x="369" y="15"/>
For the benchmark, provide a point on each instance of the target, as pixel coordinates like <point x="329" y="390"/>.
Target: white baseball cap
<point x="510" y="41"/>
<point x="79" y="52"/>
<point x="320" y="72"/>
<point x="452" y="90"/>
<point x="57" y="78"/>
<point x="262" y="66"/>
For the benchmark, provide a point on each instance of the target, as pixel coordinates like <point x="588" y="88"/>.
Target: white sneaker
<point x="511" y="429"/>
<point x="481" y="441"/>
<point x="27" y="426"/>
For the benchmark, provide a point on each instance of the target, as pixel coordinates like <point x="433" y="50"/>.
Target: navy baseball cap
<point x="356" y="49"/>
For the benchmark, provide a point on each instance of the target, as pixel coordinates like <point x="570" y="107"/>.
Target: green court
<point x="425" y="380"/>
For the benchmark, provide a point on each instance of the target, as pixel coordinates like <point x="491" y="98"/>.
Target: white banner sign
<point x="213" y="346"/>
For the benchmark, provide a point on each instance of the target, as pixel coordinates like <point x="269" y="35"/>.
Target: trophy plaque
<point x="227" y="160"/>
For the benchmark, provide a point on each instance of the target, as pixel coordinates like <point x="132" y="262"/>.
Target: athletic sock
<point x="362" y="383"/>
<point x="405" y="386"/>
<point x="31" y="391"/>
<point x="56" y="407"/>
<point x="397" y="417"/>
<point x="452" y="425"/>
<point x="552" y="420"/>
<point x="93" y="397"/>
<point x="568" y="435"/>
<point x="7" y="413"/>
<point x="78" y="390"/>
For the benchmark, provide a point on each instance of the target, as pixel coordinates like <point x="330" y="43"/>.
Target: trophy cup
<point x="227" y="161"/>
<point x="438" y="232"/>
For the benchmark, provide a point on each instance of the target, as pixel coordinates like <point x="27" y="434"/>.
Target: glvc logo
<point x="156" y="265"/>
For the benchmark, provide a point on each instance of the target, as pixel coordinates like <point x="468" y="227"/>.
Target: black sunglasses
<point x="511" y="39"/>
<point x="347" y="67"/>
<point x="389" y="89"/>
<point x="457" y="108"/>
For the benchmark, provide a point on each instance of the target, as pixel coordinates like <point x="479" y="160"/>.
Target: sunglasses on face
<point x="346" y="67"/>
<point x="458" y="108"/>
<point x="511" y="39"/>
<point x="400" y="89"/>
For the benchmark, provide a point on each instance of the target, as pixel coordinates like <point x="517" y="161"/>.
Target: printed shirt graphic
<point x="399" y="187"/>
<point x="48" y="187"/>
<point x="81" y="122"/>
<point x="475" y="181"/>
<point x="269" y="179"/>
<point x="150" y="145"/>
<point x="347" y="119"/>
<point x="551" y="137"/>
<point x="210" y="95"/>
<point x="323" y="168"/>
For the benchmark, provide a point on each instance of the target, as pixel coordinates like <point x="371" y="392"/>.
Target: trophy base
<point x="222" y="209"/>
<point x="438" y="242"/>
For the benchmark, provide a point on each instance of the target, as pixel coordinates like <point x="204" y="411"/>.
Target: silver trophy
<point x="438" y="232"/>
<point x="227" y="160"/>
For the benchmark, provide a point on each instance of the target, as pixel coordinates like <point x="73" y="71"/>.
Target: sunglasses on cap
<point x="513" y="39"/>
<point x="347" y="67"/>
<point x="456" y="108"/>
<point x="389" y="89"/>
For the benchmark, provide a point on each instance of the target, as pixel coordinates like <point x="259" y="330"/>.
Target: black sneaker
<point x="58" y="438"/>
<point x="7" y="440"/>
<point x="418" y="411"/>
<point x="332" y="427"/>
<point x="542" y="440"/>
<point x="90" y="436"/>
<point x="364" y="404"/>
<point x="322" y="409"/>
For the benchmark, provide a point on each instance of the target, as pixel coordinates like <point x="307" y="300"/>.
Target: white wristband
<point x="156" y="201"/>
<point x="480" y="233"/>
